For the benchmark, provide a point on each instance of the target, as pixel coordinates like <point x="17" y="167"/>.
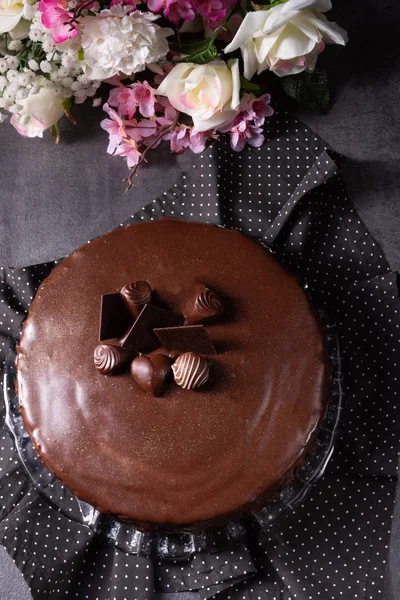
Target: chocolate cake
<point x="133" y="441"/>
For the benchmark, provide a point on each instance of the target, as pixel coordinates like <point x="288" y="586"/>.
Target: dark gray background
<point x="56" y="198"/>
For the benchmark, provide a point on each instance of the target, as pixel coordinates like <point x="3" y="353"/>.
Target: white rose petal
<point x="287" y="38"/>
<point x="209" y="93"/>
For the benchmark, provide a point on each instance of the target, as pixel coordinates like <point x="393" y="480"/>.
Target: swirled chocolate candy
<point x="110" y="358"/>
<point x="190" y="371"/>
<point x="188" y="457"/>
<point x="201" y="304"/>
<point x="135" y="296"/>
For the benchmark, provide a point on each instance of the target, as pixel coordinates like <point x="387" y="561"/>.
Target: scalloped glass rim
<point x="179" y="545"/>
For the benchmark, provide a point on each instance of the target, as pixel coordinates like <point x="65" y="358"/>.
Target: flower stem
<point x="164" y="130"/>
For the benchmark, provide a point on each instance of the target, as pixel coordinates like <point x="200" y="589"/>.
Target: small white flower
<point x="3" y="65"/>
<point x="12" y="75"/>
<point x="76" y="86"/>
<point x="12" y="62"/>
<point x="33" y="65"/>
<point x="22" y="93"/>
<point x="67" y="81"/>
<point x="120" y="40"/>
<point x="96" y="102"/>
<point x="15" y="45"/>
<point x="34" y="34"/>
<point x="286" y="38"/>
<point x="45" y="66"/>
<point x="3" y="82"/>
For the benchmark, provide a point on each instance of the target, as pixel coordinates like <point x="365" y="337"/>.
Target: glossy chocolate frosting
<point x="189" y="456"/>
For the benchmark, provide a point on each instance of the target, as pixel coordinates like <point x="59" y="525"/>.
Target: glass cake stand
<point x="178" y="545"/>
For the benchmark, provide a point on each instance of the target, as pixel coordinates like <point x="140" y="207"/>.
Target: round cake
<point x="186" y="457"/>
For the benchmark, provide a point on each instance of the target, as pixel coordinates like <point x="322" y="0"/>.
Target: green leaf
<point x="310" y="90"/>
<point x="200" y="52"/>
<point x="248" y="86"/>
<point x="81" y="54"/>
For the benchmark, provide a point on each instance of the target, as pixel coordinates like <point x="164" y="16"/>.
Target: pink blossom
<point x="122" y="99"/>
<point x="143" y="95"/>
<point x="128" y="149"/>
<point x="246" y="127"/>
<point x="127" y="99"/>
<point x="214" y="11"/>
<point x="246" y="133"/>
<point x="187" y="137"/>
<point x="57" y="17"/>
<point x="114" y="127"/>
<point x="256" y="109"/>
<point x="175" y="10"/>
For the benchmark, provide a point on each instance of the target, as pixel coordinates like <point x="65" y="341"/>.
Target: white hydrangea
<point x="119" y="40"/>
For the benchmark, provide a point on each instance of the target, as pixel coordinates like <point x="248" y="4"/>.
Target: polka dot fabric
<point x="290" y="195"/>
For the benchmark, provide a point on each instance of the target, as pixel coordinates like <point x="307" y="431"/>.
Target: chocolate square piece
<point x="140" y="336"/>
<point x="190" y="338"/>
<point x="114" y="317"/>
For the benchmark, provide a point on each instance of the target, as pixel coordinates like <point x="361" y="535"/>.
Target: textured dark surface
<point x="54" y="199"/>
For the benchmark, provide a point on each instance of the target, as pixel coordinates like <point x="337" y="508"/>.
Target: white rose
<point x="209" y="93"/>
<point x="287" y="38"/>
<point x="39" y="112"/>
<point x="119" y="40"/>
<point x="13" y="15"/>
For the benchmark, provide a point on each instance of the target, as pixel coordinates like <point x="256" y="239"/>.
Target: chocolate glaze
<point x="188" y="457"/>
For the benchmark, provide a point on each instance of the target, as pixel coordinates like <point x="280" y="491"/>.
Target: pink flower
<point x="175" y="10"/>
<point x="128" y="149"/>
<point x="114" y="127"/>
<point x="122" y="99"/>
<point x="214" y="11"/>
<point x="187" y="137"/>
<point x="256" y="109"/>
<point x="246" y="127"/>
<point x="143" y="96"/>
<point x="127" y="99"/>
<point x="245" y="133"/>
<point x="57" y="17"/>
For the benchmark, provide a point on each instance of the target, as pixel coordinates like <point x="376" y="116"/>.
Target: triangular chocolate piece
<point x="140" y="336"/>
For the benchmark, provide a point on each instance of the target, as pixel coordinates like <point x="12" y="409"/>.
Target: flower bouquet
<point x="179" y="71"/>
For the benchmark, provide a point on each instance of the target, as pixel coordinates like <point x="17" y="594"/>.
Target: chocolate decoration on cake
<point x="190" y="338"/>
<point x="136" y="295"/>
<point x="109" y="359"/>
<point x="202" y="303"/>
<point x="140" y="337"/>
<point x="150" y="372"/>
<point x="115" y="317"/>
<point x="190" y="371"/>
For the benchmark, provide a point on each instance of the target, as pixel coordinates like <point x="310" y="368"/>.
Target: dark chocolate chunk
<point x="114" y="317"/>
<point x="190" y="338"/>
<point x="135" y="296"/>
<point x="201" y="304"/>
<point x="150" y="372"/>
<point x="109" y="359"/>
<point x="140" y="336"/>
